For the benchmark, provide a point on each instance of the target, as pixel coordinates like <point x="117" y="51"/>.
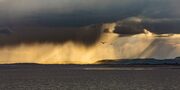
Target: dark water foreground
<point x="89" y="77"/>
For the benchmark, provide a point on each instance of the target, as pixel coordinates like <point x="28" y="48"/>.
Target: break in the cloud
<point x="135" y="25"/>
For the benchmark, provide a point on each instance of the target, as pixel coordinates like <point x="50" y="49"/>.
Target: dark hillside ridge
<point x="148" y="61"/>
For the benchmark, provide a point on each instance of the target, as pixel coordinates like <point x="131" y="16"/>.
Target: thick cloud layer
<point x="89" y="35"/>
<point x="30" y="35"/>
<point x="70" y="13"/>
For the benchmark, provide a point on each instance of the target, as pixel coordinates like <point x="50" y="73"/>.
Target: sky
<point x="85" y="31"/>
<point x="77" y="13"/>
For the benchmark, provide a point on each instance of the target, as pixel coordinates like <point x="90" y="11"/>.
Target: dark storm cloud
<point x="5" y="31"/>
<point x="80" y="12"/>
<point x="67" y="12"/>
<point x="30" y="35"/>
<point x="162" y="16"/>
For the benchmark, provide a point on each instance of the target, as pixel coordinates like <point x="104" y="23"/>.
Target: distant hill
<point x="148" y="61"/>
